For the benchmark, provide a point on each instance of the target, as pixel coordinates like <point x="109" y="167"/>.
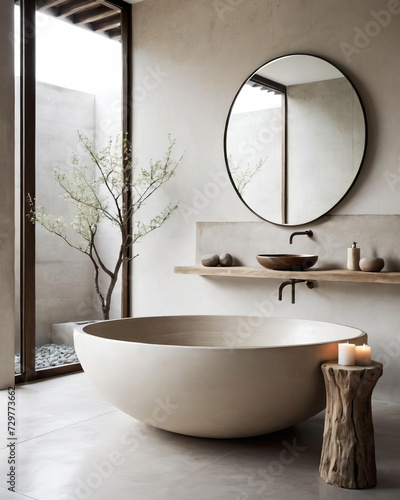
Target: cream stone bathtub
<point x="212" y="376"/>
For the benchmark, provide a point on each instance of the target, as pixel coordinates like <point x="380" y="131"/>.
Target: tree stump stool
<point x="348" y="450"/>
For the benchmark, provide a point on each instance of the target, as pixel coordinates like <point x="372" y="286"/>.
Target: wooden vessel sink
<point x="287" y="261"/>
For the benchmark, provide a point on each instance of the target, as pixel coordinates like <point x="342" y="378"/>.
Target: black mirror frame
<point x="361" y="161"/>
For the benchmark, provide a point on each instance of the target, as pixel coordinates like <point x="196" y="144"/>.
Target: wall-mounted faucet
<point x="309" y="233"/>
<point x="310" y="284"/>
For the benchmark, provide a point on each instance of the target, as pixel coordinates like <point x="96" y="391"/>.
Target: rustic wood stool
<point x="348" y="450"/>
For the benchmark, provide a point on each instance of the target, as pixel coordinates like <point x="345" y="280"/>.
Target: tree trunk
<point x="348" y="451"/>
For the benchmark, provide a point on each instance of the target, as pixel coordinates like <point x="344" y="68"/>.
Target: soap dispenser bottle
<point x="353" y="258"/>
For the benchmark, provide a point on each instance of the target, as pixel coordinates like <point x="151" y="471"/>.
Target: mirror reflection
<point x="295" y="139"/>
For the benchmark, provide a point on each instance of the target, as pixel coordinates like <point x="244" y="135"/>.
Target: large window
<point x="74" y="77"/>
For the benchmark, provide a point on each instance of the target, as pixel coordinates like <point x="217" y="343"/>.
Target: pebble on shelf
<point x="213" y="260"/>
<point x="226" y="259"/>
<point x="372" y="265"/>
<point x="210" y="260"/>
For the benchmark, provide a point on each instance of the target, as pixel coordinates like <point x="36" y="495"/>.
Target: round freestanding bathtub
<point x="212" y="376"/>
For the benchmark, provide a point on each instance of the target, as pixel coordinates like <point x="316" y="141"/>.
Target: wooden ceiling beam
<point x="107" y="24"/>
<point x="49" y="4"/>
<point x="92" y="15"/>
<point x="72" y="7"/>
<point x="96" y="15"/>
<point x="110" y="6"/>
<point x="114" y="34"/>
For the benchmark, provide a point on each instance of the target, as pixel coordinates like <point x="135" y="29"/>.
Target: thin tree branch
<point x="97" y="163"/>
<point x="115" y="171"/>
<point x="64" y="238"/>
<point x="98" y="207"/>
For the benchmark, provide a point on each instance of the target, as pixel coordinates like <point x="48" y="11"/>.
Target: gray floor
<point x="74" y="446"/>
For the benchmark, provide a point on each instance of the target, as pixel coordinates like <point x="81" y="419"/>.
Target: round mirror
<point x="295" y="139"/>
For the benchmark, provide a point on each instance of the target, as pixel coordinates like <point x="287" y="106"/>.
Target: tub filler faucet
<point x="310" y="284"/>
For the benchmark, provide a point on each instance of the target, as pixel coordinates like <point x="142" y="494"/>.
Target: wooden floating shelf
<point x="342" y="275"/>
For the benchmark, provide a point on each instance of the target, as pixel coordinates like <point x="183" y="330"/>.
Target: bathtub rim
<point x="81" y="330"/>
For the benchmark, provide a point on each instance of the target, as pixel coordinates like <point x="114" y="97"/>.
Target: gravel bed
<point x="49" y="355"/>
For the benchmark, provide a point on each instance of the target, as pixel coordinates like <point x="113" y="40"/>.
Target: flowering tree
<point x="103" y="196"/>
<point x="242" y="175"/>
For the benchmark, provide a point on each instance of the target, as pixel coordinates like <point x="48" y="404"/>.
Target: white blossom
<point x="109" y="194"/>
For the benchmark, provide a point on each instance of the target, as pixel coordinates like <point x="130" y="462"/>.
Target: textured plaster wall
<point x="6" y="196"/>
<point x="368" y="307"/>
<point x="189" y="60"/>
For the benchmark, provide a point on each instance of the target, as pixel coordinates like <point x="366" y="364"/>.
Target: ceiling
<point x="298" y="68"/>
<point x="95" y="15"/>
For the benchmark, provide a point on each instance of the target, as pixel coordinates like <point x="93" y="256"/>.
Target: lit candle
<point x="347" y="354"/>
<point x="363" y="355"/>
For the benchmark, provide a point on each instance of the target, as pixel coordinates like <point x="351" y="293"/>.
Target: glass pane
<point x="78" y="89"/>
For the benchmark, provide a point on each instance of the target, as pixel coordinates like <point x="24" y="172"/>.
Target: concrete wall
<point x="64" y="282"/>
<point x="325" y="146"/>
<point x="264" y="191"/>
<point x="108" y="124"/>
<point x="190" y="57"/>
<point x="6" y="196"/>
<point x="64" y="276"/>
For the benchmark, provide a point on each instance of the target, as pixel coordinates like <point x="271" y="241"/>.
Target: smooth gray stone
<point x="210" y="260"/>
<point x="372" y="265"/>
<point x="226" y="259"/>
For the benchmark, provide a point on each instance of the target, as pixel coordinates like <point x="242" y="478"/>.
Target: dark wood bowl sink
<point x="287" y="261"/>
